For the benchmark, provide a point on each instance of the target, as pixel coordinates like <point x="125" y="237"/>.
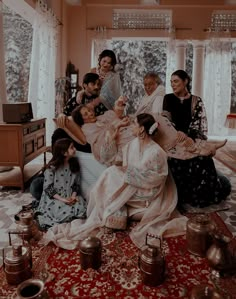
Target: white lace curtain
<point x="2" y="66"/>
<point x="217" y="85"/>
<point x="170" y="63"/>
<point x="43" y="65"/>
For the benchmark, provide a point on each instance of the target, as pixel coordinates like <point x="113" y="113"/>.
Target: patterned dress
<point x="197" y="180"/>
<point x="63" y="182"/>
<point x="72" y="104"/>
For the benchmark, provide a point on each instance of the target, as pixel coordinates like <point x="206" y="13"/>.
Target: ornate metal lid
<point x="90" y="243"/>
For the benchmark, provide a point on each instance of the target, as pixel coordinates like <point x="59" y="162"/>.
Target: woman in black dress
<point x="197" y="180"/>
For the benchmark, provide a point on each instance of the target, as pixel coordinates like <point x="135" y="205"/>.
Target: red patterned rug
<point x="119" y="275"/>
<point x="227" y="155"/>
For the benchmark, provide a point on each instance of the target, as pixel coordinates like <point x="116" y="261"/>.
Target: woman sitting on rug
<point x="142" y="183"/>
<point x="197" y="181"/>
<point x="61" y="201"/>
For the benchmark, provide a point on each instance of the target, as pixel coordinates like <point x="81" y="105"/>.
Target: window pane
<point x="233" y="86"/>
<point x="136" y="58"/>
<point x="18" y="45"/>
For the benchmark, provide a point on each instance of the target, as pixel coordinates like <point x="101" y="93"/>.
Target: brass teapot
<point x="199" y="234"/>
<point x="26" y="224"/>
<point x="33" y="289"/>
<point x="90" y="253"/>
<point x="219" y="257"/>
<point x="152" y="263"/>
<point x="17" y="262"/>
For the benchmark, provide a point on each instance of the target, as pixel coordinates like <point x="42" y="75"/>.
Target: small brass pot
<point x="90" y="253"/>
<point x="32" y="289"/>
<point x="199" y="234"/>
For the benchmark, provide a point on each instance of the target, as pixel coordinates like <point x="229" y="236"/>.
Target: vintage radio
<point x="17" y="112"/>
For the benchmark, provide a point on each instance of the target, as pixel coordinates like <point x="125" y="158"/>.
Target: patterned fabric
<point x="72" y="104"/>
<point x="159" y="217"/>
<point x="111" y="89"/>
<point x="188" y="116"/>
<point x="197" y="182"/>
<point x="53" y="211"/>
<point x="196" y="179"/>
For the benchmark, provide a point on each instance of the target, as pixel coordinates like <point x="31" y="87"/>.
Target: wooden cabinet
<point x="20" y="144"/>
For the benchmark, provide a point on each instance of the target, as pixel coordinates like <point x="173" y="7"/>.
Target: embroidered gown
<point x="53" y="211"/>
<point x="143" y="181"/>
<point x="197" y="181"/>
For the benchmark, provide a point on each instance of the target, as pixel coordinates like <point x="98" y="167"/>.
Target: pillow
<point x="73" y="130"/>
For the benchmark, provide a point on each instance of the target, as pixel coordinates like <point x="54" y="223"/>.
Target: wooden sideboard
<point x="20" y="144"/>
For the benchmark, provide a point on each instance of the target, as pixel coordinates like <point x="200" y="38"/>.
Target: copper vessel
<point x="90" y="253"/>
<point x="32" y="289"/>
<point x="152" y="263"/>
<point x="26" y="224"/>
<point x="219" y="257"/>
<point x="199" y="234"/>
<point x="17" y="263"/>
<point x="205" y="292"/>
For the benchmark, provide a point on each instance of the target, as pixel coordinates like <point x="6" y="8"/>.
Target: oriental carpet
<point x="119" y="275"/>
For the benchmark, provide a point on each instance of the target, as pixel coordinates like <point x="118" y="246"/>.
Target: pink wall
<point x="190" y="21"/>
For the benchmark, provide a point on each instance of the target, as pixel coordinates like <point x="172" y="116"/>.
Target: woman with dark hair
<point x="61" y="200"/>
<point x="141" y="184"/>
<point x="110" y="79"/>
<point x="197" y="180"/>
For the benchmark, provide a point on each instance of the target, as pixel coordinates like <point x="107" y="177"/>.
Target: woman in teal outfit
<point x="61" y="200"/>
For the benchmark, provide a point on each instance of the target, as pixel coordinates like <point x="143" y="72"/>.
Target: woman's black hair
<point x="59" y="149"/>
<point x="108" y="53"/>
<point x="146" y="120"/>
<point x="183" y="76"/>
<point x="77" y="116"/>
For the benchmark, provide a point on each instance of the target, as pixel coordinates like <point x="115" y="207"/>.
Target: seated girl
<point x="61" y="201"/>
<point x="142" y="183"/>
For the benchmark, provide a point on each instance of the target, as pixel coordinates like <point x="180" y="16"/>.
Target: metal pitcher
<point x="90" y="253"/>
<point x="17" y="263"/>
<point x="26" y="224"/>
<point x="199" y="234"/>
<point x="33" y="289"/>
<point x="152" y="263"/>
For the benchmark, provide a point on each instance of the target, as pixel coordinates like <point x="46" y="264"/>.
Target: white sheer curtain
<point x="217" y="87"/>
<point x="3" y="97"/>
<point x="100" y="43"/>
<point x="43" y="65"/>
<point x="171" y="62"/>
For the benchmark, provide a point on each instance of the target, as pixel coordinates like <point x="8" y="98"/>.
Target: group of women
<point x="155" y="163"/>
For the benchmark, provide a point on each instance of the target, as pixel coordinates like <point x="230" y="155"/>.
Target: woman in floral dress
<point x="197" y="180"/>
<point x="61" y="201"/>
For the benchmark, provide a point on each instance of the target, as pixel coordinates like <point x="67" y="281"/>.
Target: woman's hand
<point x="70" y="201"/>
<point x="124" y="122"/>
<point x="188" y="142"/>
<point x="61" y="121"/>
<point x="181" y="136"/>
